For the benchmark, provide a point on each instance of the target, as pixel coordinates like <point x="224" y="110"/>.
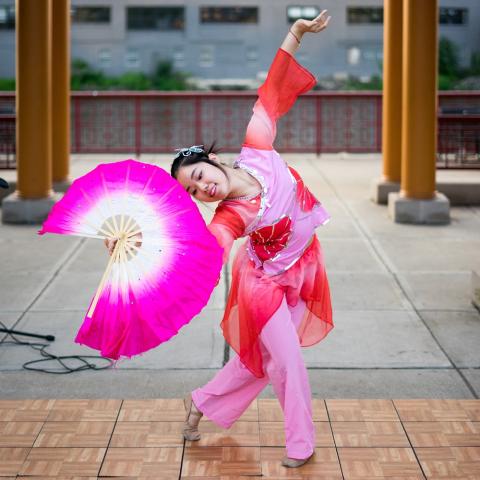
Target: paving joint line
<point x="66" y="260"/>
<point x="183" y="456"/>
<point x="333" y="436"/>
<point x="409" y="442"/>
<point x="389" y="267"/>
<point x="323" y="369"/>
<point x="110" y="439"/>
<point x="437" y="341"/>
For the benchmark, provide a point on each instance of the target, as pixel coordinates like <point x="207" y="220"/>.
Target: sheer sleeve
<point x="286" y="80"/>
<point x="227" y="225"/>
<point x="231" y="220"/>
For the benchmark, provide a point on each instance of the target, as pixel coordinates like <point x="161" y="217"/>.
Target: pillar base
<point x="27" y="211"/>
<point x="62" y="186"/>
<point x="380" y="188"/>
<point x="411" y="210"/>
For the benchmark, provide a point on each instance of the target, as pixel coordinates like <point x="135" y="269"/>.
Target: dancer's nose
<point x="202" y="186"/>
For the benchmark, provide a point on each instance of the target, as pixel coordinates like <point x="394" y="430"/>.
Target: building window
<point x="90" y="14"/>
<point x="7" y="18"/>
<point x="251" y="54"/>
<point x="353" y="55"/>
<point x="294" y="12"/>
<point x="132" y="58"/>
<point x="105" y="57"/>
<point x="372" y="54"/>
<point x="229" y="14"/>
<point x="155" y="18"/>
<point x="178" y="57"/>
<point x="453" y="16"/>
<point x="364" y="15"/>
<point x="206" y="57"/>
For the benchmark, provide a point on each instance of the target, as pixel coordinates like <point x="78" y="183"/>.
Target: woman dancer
<point x="279" y="298"/>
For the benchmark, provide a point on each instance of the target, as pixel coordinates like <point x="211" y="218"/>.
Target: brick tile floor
<point x="141" y="439"/>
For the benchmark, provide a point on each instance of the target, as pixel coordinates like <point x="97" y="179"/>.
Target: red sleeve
<point x="286" y="80"/>
<point x="227" y="225"/>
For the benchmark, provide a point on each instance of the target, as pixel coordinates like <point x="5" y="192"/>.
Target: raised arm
<point x="286" y="80"/>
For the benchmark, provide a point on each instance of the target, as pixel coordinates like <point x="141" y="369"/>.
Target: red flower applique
<point x="268" y="241"/>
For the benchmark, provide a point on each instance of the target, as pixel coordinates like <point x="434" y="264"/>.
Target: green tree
<point x="445" y="82"/>
<point x="7" y="84"/>
<point x="166" y="78"/>
<point x="133" y="81"/>
<point x="84" y="77"/>
<point x="475" y="63"/>
<point x="448" y="63"/>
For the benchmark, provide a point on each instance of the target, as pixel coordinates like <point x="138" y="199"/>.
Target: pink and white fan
<point x="164" y="265"/>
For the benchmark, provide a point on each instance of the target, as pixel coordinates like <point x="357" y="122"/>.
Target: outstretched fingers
<point x="320" y="16"/>
<point x="320" y="22"/>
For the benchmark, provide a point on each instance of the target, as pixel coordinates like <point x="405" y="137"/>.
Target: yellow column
<point x="419" y="102"/>
<point x="392" y="90"/>
<point x="33" y="55"/>
<point x="61" y="90"/>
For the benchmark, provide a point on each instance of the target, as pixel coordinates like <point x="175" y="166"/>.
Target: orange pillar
<point x="61" y="90"/>
<point x="33" y="199"/>
<point x="419" y="102"/>
<point x="418" y="202"/>
<point x="34" y="144"/>
<point x="392" y="90"/>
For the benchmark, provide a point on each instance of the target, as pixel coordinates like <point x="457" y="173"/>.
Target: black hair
<point x="183" y="161"/>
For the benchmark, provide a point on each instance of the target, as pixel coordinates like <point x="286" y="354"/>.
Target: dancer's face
<point x="204" y="181"/>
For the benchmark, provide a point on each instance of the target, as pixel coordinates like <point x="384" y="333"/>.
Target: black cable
<point x="41" y="348"/>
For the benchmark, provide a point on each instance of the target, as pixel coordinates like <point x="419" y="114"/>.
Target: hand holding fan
<point x="165" y="263"/>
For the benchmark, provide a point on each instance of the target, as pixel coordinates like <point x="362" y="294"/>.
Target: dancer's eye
<point x="200" y="176"/>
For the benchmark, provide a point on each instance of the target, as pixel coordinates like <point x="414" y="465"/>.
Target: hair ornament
<point x="189" y="150"/>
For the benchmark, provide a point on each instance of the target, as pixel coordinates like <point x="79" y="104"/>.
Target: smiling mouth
<point x="213" y="190"/>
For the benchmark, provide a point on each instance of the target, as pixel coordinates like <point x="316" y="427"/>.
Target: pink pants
<point x="234" y="387"/>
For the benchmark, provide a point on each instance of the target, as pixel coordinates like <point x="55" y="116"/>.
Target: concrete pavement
<point x="405" y="324"/>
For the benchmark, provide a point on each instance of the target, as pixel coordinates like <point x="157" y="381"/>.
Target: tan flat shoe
<point x="295" y="462"/>
<point x="192" y="419"/>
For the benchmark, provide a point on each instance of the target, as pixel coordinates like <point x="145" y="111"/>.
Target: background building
<point x="233" y="41"/>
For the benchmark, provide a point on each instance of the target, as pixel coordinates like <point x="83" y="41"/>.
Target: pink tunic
<point x="282" y="256"/>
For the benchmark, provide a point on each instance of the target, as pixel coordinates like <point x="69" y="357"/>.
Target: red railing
<point x="7" y="141"/>
<point x="458" y="141"/>
<point x="320" y="121"/>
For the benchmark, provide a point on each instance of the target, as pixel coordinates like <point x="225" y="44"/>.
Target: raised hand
<point x="316" y="25"/>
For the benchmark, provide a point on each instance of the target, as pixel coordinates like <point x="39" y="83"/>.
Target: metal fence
<point x="160" y="122"/>
<point x="458" y="141"/>
<point x="319" y="122"/>
<point x="7" y="141"/>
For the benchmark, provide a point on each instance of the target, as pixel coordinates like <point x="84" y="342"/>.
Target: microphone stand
<point x="50" y="338"/>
